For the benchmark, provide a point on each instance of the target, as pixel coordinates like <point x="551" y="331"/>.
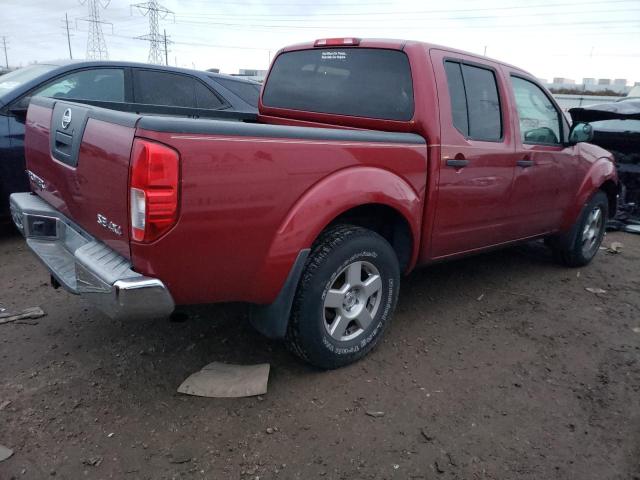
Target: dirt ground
<point x="498" y="366"/>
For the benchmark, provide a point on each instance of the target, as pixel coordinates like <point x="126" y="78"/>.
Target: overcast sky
<point x="561" y="38"/>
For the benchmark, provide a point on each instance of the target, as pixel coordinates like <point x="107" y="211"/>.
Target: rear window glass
<point x="249" y="92"/>
<point x="360" y="82"/>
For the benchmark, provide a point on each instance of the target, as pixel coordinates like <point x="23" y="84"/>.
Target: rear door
<point x="477" y="155"/>
<point x="546" y="173"/>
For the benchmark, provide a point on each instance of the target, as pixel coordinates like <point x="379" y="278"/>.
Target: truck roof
<point x="397" y="44"/>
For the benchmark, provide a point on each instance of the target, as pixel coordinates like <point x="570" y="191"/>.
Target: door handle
<point x="524" y="163"/>
<point x="457" y="163"/>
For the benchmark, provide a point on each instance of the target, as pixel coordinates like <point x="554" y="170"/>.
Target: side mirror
<point x="581" y="132"/>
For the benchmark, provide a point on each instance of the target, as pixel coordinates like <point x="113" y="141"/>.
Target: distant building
<point x="566" y="81"/>
<point x="590" y="85"/>
<point x="251" y="74"/>
<point x="213" y="70"/>
<point x="543" y="80"/>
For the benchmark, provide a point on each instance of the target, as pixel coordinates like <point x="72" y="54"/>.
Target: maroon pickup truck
<point x="367" y="158"/>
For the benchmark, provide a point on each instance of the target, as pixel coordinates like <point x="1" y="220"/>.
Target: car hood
<point x="625" y="110"/>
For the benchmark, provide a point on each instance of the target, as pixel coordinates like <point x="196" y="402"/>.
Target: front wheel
<point x="345" y="298"/>
<point x="578" y="247"/>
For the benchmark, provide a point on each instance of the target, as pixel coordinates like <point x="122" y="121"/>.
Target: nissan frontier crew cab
<point x="367" y="159"/>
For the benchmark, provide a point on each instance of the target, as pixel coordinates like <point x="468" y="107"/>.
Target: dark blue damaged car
<point x="125" y="86"/>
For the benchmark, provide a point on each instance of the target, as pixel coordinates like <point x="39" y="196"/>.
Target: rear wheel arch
<point x="345" y="192"/>
<point x="387" y="222"/>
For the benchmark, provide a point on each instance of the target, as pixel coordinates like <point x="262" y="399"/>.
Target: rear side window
<point x="475" y="103"/>
<point x="172" y="89"/>
<point x="249" y="92"/>
<point x="458" y="97"/>
<point x="360" y="82"/>
<point x="205" y="98"/>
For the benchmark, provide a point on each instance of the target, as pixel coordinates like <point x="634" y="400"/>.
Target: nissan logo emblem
<point x="66" y="118"/>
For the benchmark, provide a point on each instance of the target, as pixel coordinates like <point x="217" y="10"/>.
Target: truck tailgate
<point x="78" y="161"/>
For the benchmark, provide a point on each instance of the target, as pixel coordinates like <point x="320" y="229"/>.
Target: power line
<point x="237" y="47"/>
<point x="96" y="45"/>
<point x="154" y="11"/>
<point x="403" y="27"/>
<point x="298" y="4"/>
<point x="626" y="11"/>
<point x="413" y="12"/>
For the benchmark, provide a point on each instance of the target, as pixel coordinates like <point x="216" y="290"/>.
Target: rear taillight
<point x="153" y="190"/>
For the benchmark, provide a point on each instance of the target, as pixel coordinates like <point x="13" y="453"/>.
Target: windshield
<point x="361" y="82"/>
<point x="15" y="79"/>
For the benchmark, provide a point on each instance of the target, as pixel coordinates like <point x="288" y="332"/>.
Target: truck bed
<point x="245" y="190"/>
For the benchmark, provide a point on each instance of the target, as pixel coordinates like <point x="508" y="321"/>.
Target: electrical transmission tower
<point x="157" y="42"/>
<point x="96" y="45"/>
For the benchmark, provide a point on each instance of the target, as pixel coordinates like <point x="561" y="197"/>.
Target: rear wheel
<point x="579" y="246"/>
<point x="345" y="299"/>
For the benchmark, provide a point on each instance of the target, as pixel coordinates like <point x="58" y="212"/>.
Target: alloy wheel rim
<point x="352" y="301"/>
<point x="592" y="231"/>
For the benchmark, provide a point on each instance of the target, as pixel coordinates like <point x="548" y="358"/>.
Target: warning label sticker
<point x="328" y="55"/>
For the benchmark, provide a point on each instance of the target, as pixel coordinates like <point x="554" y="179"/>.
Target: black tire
<point x="333" y="255"/>
<point x="568" y="249"/>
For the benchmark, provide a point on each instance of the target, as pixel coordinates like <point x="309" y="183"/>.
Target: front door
<point x="545" y="181"/>
<point x="477" y="158"/>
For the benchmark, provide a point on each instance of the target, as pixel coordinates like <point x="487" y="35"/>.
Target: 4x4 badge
<point x="109" y="225"/>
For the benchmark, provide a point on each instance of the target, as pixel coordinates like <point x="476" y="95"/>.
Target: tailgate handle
<point x="63" y="143"/>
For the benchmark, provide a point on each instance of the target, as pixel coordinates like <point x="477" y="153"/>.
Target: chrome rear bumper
<point x="86" y="267"/>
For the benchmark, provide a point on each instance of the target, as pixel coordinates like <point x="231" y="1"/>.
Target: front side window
<point x="539" y="120"/>
<point x="100" y="84"/>
<point x="475" y="103"/>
